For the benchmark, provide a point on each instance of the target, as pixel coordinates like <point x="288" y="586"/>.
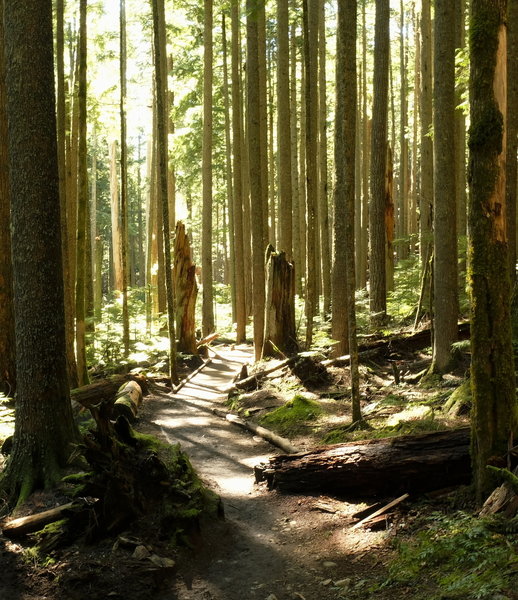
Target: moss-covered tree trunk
<point x="512" y="131"/>
<point x="44" y="428"/>
<point x="494" y="415"/>
<point x="186" y="290"/>
<point x="280" y="336"/>
<point x="7" y="352"/>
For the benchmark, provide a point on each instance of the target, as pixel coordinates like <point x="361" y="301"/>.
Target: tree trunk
<point x="284" y="140"/>
<point x="311" y="94"/>
<point x="389" y="220"/>
<point x="494" y="414"/>
<point x="256" y="197"/>
<point x="206" y="228"/>
<point x="511" y="180"/>
<point x="280" y="332"/>
<point x="237" y="147"/>
<point x="44" y="429"/>
<point x="445" y="299"/>
<point x="82" y="203"/>
<point x="377" y="467"/>
<point x="159" y="38"/>
<point x="186" y="291"/>
<point x="377" y="242"/>
<point x="7" y="340"/>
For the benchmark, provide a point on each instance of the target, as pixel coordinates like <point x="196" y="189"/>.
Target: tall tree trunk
<point x="159" y="45"/>
<point x="254" y="150"/>
<point x="62" y="139"/>
<point x="206" y="228"/>
<point x="446" y="302"/>
<point x="263" y="116"/>
<point x="377" y="242"/>
<point x="311" y="91"/>
<point x="284" y="140"/>
<point x="237" y="146"/>
<point x="346" y="100"/>
<point x="403" y="142"/>
<point x="512" y="131"/>
<point x="115" y="218"/>
<point x="425" y="106"/>
<point x="495" y="414"/>
<point x="44" y="428"/>
<point x="124" y="183"/>
<point x="364" y="240"/>
<point x="323" y="204"/>
<point x="82" y="204"/>
<point x="7" y="340"/>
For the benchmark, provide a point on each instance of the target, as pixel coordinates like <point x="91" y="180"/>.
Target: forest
<point x="258" y="313"/>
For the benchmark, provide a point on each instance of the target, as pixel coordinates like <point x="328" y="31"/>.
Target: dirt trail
<point x="270" y="547"/>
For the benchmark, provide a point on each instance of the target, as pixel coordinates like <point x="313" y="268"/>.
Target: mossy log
<point x="376" y="467"/>
<point x="127" y="401"/>
<point x="20" y="527"/>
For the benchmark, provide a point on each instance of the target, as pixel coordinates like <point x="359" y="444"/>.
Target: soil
<point x="268" y="546"/>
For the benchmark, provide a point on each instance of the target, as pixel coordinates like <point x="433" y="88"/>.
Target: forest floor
<point x="269" y="546"/>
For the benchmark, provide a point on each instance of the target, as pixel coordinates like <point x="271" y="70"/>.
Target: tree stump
<point x="186" y="290"/>
<point x="280" y="336"/>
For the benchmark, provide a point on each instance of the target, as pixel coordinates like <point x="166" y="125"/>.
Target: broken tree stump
<point x="377" y="467"/>
<point x="103" y="391"/>
<point x="186" y="291"/>
<point x="280" y="333"/>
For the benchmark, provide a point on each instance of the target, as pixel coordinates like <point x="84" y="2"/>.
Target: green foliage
<point x="289" y="418"/>
<point x="457" y="556"/>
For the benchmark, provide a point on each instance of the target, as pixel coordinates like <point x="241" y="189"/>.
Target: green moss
<point x="289" y="418"/>
<point x="460" y="400"/>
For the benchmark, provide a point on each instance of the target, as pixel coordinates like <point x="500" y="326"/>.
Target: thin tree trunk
<point x="311" y="91"/>
<point x="82" y="202"/>
<point x="512" y="131"/>
<point x="206" y="228"/>
<point x="323" y="204"/>
<point x="124" y="183"/>
<point x="159" y="39"/>
<point x="237" y="146"/>
<point x="377" y="271"/>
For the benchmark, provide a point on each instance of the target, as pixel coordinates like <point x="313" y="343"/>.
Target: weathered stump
<point x="186" y="290"/>
<point x="280" y="336"/>
<point x="127" y="401"/>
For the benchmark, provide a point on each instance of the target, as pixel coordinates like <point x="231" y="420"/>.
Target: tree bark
<point x="494" y="413"/>
<point x="186" y="291"/>
<point x="377" y="242"/>
<point x="377" y="467"/>
<point x="445" y="297"/>
<point x="44" y="427"/>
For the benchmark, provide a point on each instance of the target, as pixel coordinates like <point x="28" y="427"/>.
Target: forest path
<point x="270" y="546"/>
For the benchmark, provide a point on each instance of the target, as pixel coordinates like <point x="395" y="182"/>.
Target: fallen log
<point x="127" y="401"/>
<point x="266" y="434"/>
<point x="24" y="525"/>
<point x="378" y="467"/>
<point x="103" y="391"/>
<point x="177" y="388"/>
<point x="250" y="383"/>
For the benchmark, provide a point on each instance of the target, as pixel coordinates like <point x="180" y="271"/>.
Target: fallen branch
<point x="176" y="389"/>
<point x="380" y="511"/>
<point x="251" y="382"/>
<point x="207" y="339"/>
<point x="24" y="525"/>
<point x="266" y="434"/>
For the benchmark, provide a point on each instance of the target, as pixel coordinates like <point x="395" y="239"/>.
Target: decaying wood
<point x="127" y="401"/>
<point x="280" y="337"/>
<point x="380" y="511"/>
<point x="266" y="434"/>
<point x="186" y="291"/>
<point x="104" y="391"/>
<point x="376" y="467"/>
<point x="25" y="525"/>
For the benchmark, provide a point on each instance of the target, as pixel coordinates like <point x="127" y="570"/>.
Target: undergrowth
<point x="458" y="556"/>
<point x="291" y="417"/>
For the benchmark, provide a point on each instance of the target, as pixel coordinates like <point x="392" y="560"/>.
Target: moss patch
<point x="294" y="415"/>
